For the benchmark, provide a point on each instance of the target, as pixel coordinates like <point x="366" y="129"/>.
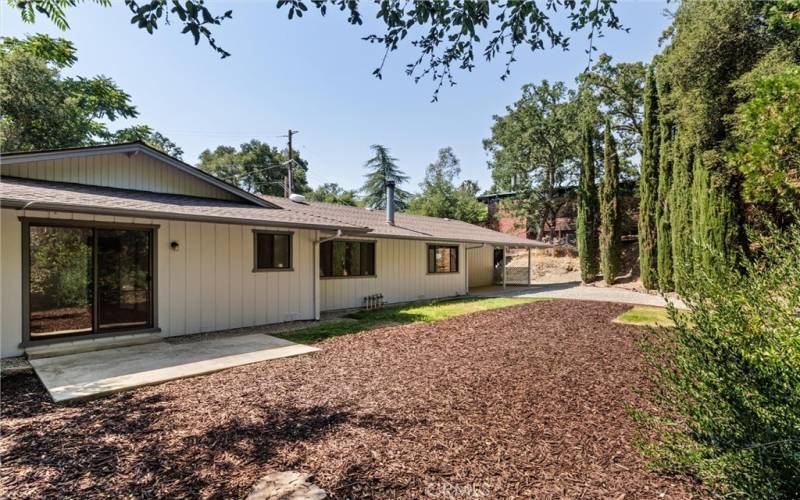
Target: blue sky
<point x="314" y="75"/>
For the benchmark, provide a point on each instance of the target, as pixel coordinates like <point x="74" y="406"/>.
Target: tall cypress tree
<point x="716" y="225"/>
<point x="648" y="185"/>
<point x="701" y="215"/>
<point x="587" y="210"/>
<point x="610" y="243"/>
<point x="681" y="214"/>
<point x="663" y="233"/>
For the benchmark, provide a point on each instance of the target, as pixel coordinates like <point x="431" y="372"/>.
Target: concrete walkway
<point x="91" y="374"/>
<point x="577" y="291"/>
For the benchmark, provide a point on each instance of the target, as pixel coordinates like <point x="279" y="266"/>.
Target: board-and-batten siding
<point x="119" y="170"/>
<point x="207" y="285"/>
<point x="481" y="265"/>
<point x="401" y="276"/>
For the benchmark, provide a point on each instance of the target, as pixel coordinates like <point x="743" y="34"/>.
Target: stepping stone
<point x="286" y="486"/>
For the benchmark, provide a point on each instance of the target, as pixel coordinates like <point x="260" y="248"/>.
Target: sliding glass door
<point x="123" y="278"/>
<point x="61" y="269"/>
<point x="86" y="280"/>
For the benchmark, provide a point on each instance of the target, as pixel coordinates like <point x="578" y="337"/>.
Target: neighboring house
<point x="500" y="218"/>
<point x="125" y="240"/>
<point x="506" y="221"/>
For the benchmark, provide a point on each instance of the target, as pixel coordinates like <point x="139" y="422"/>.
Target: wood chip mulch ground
<point x="528" y="401"/>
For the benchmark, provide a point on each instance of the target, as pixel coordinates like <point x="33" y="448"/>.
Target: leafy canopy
<point x="446" y="35"/>
<point x="149" y="136"/>
<point x="330" y="192"/>
<point x="440" y="197"/>
<point x="617" y="91"/>
<point x="729" y="376"/>
<point x="767" y="129"/>
<point x="256" y="167"/>
<point x="41" y="109"/>
<point x="534" y="150"/>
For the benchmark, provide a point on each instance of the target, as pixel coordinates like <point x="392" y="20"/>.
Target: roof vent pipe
<point x="390" y="202"/>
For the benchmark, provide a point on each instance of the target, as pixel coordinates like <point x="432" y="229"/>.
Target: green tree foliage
<point x="729" y="370"/>
<point x="383" y="168"/>
<point x="680" y="215"/>
<point x="617" y="91"/>
<point x="648" y="186"/>
<point x="588" y="243"/>
<point x="663" y="201"/>
<point x="256" y="167"/>
<point x="41" y="109"/>
<point x="717" y="54"/>
<point x="330" y="192"/>
<point x="610" y="232"/>
<point x="713" y="216"/>
<point x="446" y="34"/>
<point x="440" y="197"/>
<point x="536" y="144"/>
<point x="767" y="133"/>
<point x="729" y="374"/>
<point x="150" y="137"/>
<point x="61" y="267"/>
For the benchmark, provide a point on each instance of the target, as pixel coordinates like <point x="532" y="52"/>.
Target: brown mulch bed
<point x="524" y="401"/>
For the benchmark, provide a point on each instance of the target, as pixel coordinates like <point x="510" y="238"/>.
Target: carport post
<point x="529" y="266"/>
<point x="505" y="255"/>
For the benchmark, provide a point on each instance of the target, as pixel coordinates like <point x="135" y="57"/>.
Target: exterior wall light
<point x="175" y="245"/>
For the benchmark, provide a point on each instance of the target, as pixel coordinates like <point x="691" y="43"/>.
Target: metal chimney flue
<point x="390" y="202"/>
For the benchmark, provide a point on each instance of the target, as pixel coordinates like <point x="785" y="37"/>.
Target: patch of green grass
<point x="414" y="313"/>
<point x="645" y="316"/>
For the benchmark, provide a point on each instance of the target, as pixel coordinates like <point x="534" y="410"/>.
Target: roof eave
<point x="134" y="147"/>
<point x="148" y="214"/>
<point x="434" y="238"/>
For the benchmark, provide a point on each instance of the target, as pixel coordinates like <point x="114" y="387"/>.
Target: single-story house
<point x="123" y="240"/>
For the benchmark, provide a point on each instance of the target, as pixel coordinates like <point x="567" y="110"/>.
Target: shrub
<point x="729" y="376"/>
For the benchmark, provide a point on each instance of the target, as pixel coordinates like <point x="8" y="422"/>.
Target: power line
<point x="291" y="161"/>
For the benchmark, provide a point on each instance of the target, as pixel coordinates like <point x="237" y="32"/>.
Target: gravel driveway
<point x="523" y="401"/>
<point x="578" y="291"/>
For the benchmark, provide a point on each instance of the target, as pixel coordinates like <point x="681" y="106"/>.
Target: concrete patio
<point x="92" y="374"/>
<point x="577" y="291"/>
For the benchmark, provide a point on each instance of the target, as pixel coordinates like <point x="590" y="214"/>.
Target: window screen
<point x="442" y="259"/>
<point x="340" y="258"/>
<point x="273" y="251"/>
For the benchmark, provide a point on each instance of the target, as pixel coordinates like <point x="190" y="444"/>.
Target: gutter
<point x="147" y="214"/>
<point x="330" y="238"/>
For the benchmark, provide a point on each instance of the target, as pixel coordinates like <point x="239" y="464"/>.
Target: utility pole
<point x="290" y="179"/>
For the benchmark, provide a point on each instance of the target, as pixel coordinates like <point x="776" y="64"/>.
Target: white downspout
<point x="505" y="265"/>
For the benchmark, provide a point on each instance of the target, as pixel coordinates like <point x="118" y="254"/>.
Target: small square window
<point x="442" y="259"/>
<point x="344" y="258"/>
<point x="272" y="251"/>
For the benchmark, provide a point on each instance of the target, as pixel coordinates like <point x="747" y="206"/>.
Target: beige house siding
<point x="10" y="283"/>
<point x="481" y="265"/>
<point x="120" y="170"/>
<point x="207" y="285"/>
<point x="401" y="276"/>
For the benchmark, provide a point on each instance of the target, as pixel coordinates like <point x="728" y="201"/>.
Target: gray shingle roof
<point x="16" y="192"/>
<point x="49" y="195"/>
<point x="406" y="225"/>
